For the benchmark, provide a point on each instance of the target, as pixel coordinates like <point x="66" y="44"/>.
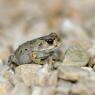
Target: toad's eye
<point x="50" y="41"/>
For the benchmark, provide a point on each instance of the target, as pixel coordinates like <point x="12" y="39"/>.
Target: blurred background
<point x="23" y="20"/>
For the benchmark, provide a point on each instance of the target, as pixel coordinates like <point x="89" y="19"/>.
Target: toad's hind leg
<point x="12" y="62"/>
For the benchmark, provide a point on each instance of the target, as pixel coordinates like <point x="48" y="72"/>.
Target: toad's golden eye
<point x="50" y="41"/>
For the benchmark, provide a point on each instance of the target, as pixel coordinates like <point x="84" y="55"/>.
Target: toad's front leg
<point x="39" y="57"/>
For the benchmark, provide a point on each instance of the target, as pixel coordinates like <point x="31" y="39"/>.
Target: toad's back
<point x="22" y="52"/>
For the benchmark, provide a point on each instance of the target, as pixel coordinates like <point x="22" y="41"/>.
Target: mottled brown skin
<point x="37" y="51"/>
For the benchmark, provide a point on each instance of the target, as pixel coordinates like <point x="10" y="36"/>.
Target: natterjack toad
<point x="36" y="51"/>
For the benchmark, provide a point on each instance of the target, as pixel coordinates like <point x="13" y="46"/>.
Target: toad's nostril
<point x="56" y="45"/>
<point x="58" y="39"/>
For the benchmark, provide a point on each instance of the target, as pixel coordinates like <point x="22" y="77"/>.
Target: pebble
<point x="27" y="73"/>
<point x="72" y="73"/>
<point x="33" y="74"/>
<point x="5" y="86"/>
<point x="83" y="88"/>
<point x="91" y="73"/>
<point x="45" y="90"/>
<point x="49" y="90"/>
<point x="20" y="89"/>
<point x="77" y="56"/>
<point x="36" y="90"/>
<point x="63" y="87"/>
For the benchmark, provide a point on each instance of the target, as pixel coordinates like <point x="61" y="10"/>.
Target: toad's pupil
<point x="50" y="41"/>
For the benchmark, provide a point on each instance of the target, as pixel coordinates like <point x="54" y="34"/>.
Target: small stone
<point x="8" y="74"/>
<point x="53" y="78"/>
<point x="37" y="90"/>
<point x="59" y="94"/>
<point x="5" y="72"/>
<point x="46" y="77"/>
<point x="83" y="88"/>
<point x="5" y="86"/>
<point x="20" y="89"/>
<point x="27" y="73"/>
<point x="88" y="69"/>
<point x="45" y="90"/>
<point x="63" y="87"/>
<point x="77" y="56"/>
<point x="49" y="90"/>
<point x="72" y="73"/>
<point x="34" y="74"/>
<point x="91" y="73"/>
